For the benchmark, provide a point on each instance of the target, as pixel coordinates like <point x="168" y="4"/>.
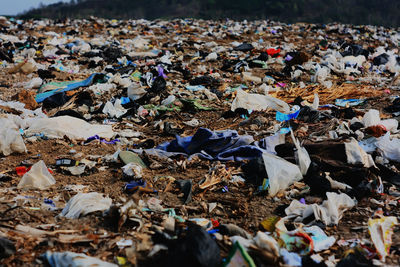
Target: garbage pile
<point x="198" y="143"/>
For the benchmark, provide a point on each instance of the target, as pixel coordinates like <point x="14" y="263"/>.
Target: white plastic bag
<point x="38" y="177"/>
<point x="34" y="83"/>
<point x="258" y="102"/>
<point x="390" y="125"/>
<point x="389" y="148"/>
<point x="321" y="74"/>
<point x="169" y="100"/>
<point x="133" y="169"/>
<point x="101" y="88"/>
<point x="329" y="212"/>
<point x="355" y="62"/>
<point x="281" y="173"/>
<point x="302" y="159"/>
<point x="114" y="111"/>
<point x="135" y="91"/>
<point x="123" y="82"/>
<point x="74" y="128"/>
<point x="140" y="42"/>
<point x="249" y="77"/>
<point x="301" y="155"/>
<point x="355" y="154"/>
<point x="371" y="118"/>
<point x="10" y="138"/>
<point x="315" y="103"/>
<point x="211" y="57"/>
<point x="85" y="203"/>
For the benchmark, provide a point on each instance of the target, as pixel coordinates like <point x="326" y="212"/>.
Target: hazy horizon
<point x="12" y="8"/>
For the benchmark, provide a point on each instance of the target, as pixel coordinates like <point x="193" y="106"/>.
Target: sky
<point x="14" y="7"/>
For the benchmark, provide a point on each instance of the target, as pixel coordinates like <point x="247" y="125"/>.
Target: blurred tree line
<point x="375" y="12"/>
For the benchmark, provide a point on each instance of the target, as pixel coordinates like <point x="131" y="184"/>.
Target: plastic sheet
<point x="85" y="203"/>
<point x="74" y="128"/>
<point x="329" y="212"/>
<point x="258" y="102"/>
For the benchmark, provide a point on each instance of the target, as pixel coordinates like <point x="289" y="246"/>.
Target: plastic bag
<point x="169" y="100"/>
<point x="329" y="212"/>
<point x="321" y="74"/>
<point x="72" y="259"/>
<point x="101" y="88"/>
<point x="353" y="61"/>
<point x="381" y="231"/>
<point x="371" y="118"/>
<point x="133" y="169"/>
<point x="281" y="173"/>
<point x="258" y="102"/>
<point x="247" y="76"/>
<point x="389" y="148"/>
<point x="123" y="82"/>
<point x="390" y="125"/>
<point x="34" y="83"/>
<point x="38" y="177"/>
<point x="355" y="154"/>
<point x="139" y="42"/>
<point x="211" y="57"/>
<point x="135" y="91"/>
<point x="301" y="156"/>
<point x="10" y="138"/>
<point x="114" y="111"/>
<point x="85" y="203"/>
<point x="315" y="103"/>
<point x="74" y="128"/>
